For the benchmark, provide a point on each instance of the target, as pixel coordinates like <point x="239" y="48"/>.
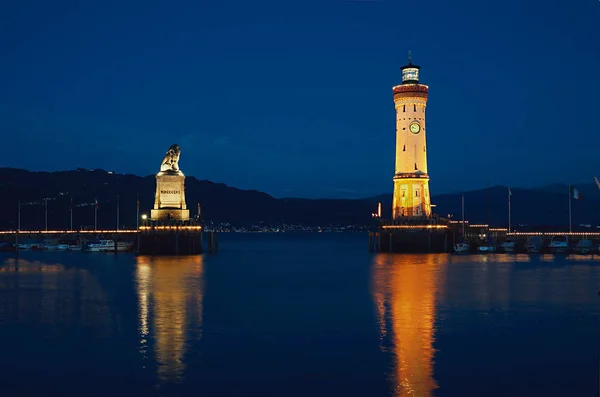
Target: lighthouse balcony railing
<point x="411" y="175"/>
<point x="414" y="221"/>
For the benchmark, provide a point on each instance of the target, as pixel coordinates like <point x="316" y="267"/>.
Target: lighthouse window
<point x="416" y="193"/>
<point x="404" y="108"/>
<point x="414" y="108"/>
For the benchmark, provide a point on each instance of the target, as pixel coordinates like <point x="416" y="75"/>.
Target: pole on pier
<point x="463" y="216"/>
<point x="46" y="213"/>
<point x="570" y="228"/>
<point x="71" y="224"/>
<point x="19" y="217"/>
<point x="95" y="213"/>
<point x="509" y="194"/>
<point x="117" y="212"/>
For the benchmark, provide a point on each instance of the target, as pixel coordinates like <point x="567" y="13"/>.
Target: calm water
<point x="298" y="315"/>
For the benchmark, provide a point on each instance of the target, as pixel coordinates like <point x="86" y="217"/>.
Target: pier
<point x="147" y="240"/>
<point x="392" y="236"/>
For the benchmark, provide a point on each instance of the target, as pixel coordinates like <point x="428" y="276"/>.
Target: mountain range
<point x="546" y="205"/>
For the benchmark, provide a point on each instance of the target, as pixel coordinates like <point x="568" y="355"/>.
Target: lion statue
<point x="171" y="160"/>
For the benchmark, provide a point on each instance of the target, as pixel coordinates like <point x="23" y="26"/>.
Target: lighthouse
<point x="411" y="182"/>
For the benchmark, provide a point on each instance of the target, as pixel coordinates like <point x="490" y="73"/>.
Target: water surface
<point x="292" y="315"/>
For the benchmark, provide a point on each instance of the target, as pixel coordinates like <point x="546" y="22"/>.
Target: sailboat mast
<point x="488" y="203"/>
<point x="463" y="215"/>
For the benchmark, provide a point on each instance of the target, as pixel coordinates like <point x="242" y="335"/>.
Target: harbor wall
<point x="411" y="241"/>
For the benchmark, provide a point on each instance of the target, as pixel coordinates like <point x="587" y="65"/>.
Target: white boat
<point x="29" y="246"/>
<point x="508" y="246"/>
<point x="584" y="247"/>
<point x="559" y="245"/>
<point x="124" y="246"/>
<point x="97" y="246"/>
<point x="486" y="248"/>
<point x="462" y="248"/>
<point x="109" y="246"/>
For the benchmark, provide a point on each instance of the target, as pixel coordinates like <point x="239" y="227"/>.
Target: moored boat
<point x="63" y="246"/>
<point x="486" y="248"/>
<point x="50" y="245"/>
<point x="75" y="246"/>
<point x="462" y="248"/>
<point x="508" y="246"/>
<point x="109" y="246"/>
<point x="559" y="245"/>
<point x="124" y="246"/>
<point x="94" y="245"/>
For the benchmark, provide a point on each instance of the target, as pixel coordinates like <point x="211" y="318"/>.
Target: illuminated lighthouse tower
<point x="411" y="182"/>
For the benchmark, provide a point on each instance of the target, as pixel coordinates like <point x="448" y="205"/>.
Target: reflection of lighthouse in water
<point x="404" y="290"/>
<point x="170" y="293"/>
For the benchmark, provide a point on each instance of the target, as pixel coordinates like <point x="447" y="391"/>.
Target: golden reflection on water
<point x="36" y="292"/>
<point x="404" y="290"/>
<point x="170" y="291"/>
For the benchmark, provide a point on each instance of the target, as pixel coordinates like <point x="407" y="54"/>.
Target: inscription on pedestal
<point x="170" y="191"/>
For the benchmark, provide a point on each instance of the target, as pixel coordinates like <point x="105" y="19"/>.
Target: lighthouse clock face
<point x="415" y="128"/>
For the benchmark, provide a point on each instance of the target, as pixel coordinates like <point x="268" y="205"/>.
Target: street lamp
<point x="144" y="217"/>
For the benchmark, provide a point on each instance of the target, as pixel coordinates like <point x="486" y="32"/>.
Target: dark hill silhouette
<point x="222" y="203"/>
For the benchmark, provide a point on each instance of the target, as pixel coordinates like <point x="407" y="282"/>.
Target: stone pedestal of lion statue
<point x="169" y="203"/>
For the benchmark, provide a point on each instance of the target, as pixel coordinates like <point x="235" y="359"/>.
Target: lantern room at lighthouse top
<point x="410" y="72"/>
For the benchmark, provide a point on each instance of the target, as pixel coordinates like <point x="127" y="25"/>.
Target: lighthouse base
<point x="414" y="238"/>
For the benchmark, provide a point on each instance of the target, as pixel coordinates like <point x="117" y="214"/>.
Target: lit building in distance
<point x="411" y="181"/>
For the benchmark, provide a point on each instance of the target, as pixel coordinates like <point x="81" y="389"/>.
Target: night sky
<point x="294" y="98"/>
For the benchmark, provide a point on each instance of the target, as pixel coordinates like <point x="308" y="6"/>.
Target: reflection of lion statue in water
<point x="171" y="160"/>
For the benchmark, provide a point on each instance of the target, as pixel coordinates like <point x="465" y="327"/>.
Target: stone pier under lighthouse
<point x="412" y="227"/>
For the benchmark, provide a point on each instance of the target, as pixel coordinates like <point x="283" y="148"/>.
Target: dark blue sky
<point x="295" y="97"/>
